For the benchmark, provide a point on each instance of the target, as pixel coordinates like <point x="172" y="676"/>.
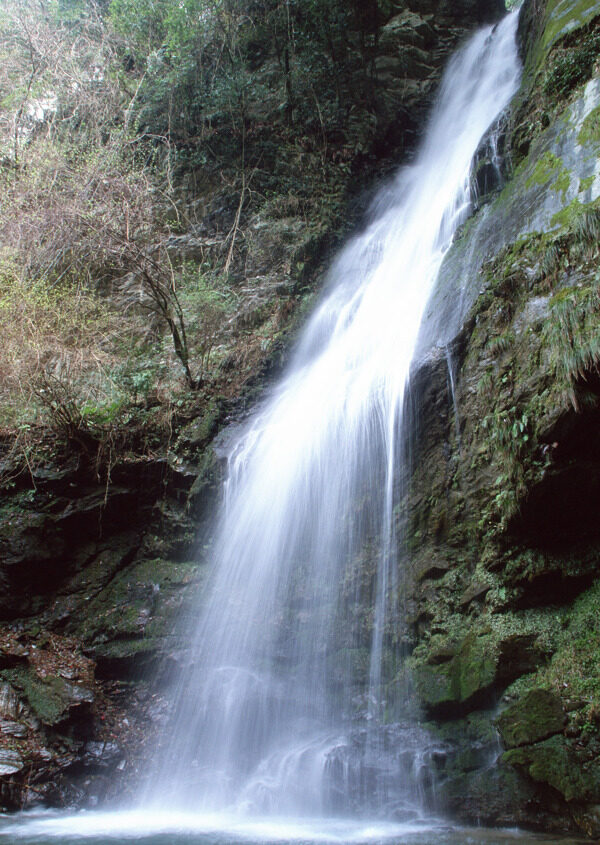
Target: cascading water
<point x="289" y="703"/>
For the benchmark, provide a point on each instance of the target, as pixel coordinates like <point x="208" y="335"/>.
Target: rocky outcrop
<point x="95" y="574"/>
<point x="502" y="518"/>
<point x="412" y="49"/>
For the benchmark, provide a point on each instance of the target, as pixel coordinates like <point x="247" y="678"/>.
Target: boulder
<point x="11" y="762"/>
<point x="460" y="684"/>
<point x="538" y="715"/>
<point x="556" y="763"/>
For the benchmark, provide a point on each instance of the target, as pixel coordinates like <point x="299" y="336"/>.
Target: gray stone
<point x="103" y="754"/>
<point x="9" y="728"/>
<point x="10" y="707"/>
<point x="530" y="202"/>
<point x="10" y="762"/>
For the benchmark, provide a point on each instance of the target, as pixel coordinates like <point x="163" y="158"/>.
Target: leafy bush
<point x="207" y="303"/>
<point x="573" y="67"/>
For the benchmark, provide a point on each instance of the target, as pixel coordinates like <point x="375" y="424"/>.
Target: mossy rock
<point x="556" y="763"/>
<point x="465" y="745"/>
<point x="200" y="430"/>
<point x="126" y="649"/>
<point x="52" y="698"/>
<point x="494" y="795"/>
<point x="208" y="476"/>
<point x="538" y="715"/>
<point x="140" y="604"/>
<point x="463" y="682"/>
<point x="474" y="729"/>
<point x="564" y="17"/>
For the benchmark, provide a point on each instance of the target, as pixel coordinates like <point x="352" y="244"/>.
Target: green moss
<point x="461" y="681"/>
<point x="555" y="763"/>
<point x="127" y="648"/>
<point x="162" y="572"/>
<point x="572" y="674"/>
<point x="585" y="184"/>
<point x="138" y="603"/>
<point x="590" y="130"/>
<point x="475" y="729"/>
<point x="549" y="171"/>
<point x="205" y="426"/>
<point x="533" y="344"/>
<point x="474" y="667"/>
<point x="536" y="716"/>
<point x="511" y="403"/>
<point x="572" y="335"/>
<point x="563" y="17"/>
<point x="506" y="433"/>
<point x="565" y="217"/>
<point x="559" y="60"/>
<point x="572" y="67"/>
<point x="48" y="697"/>
<point x="574" y="669"/>
<point x="545" y="625"/>
<point x="434" y="687"/>
<point x="208" y="469"/>
<point x="471" y="743"/>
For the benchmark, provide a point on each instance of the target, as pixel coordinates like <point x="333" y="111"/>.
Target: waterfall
<point x="295" y="701"/>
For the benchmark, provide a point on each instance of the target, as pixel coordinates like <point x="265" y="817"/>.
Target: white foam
<point x="140" y="823"/>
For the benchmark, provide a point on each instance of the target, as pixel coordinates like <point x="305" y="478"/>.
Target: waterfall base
<point x="160" y="828"/>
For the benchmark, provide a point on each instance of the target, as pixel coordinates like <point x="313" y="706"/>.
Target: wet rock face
<point x="50" y="702"/>
<point x="11" y="762"/>
<point x="91" y="594"/>
<point x="535" y="716"/>
<point x="557" y="178"/>
<point x="479" y="11"/>
<point x="502" y="518"/>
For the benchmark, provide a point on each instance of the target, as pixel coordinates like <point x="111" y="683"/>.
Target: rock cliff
<point x="502" y="518"/>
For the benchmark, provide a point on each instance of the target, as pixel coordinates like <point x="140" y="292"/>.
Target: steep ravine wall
<point x="503" y="517"/>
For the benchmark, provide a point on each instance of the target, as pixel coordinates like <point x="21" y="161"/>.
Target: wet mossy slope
<point x="504" y="514"/>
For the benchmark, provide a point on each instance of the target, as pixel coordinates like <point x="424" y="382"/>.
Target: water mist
<point x="288" y="708"/>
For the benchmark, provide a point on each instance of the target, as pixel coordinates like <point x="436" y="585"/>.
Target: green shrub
<point x="572" y="68"/>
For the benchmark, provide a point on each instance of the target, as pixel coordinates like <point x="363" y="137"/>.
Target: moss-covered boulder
<point x="53" y="698"/>
<point x="460" y="683"/>
<point x="134" y="619"/>
<point x="556" y="762"/>
<point x="536" y="716"/>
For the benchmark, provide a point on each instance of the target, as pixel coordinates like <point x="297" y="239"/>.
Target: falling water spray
<point x="288" y="695"/>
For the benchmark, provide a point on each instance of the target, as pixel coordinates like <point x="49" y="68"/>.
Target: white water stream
<point x="305" y="596"/>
